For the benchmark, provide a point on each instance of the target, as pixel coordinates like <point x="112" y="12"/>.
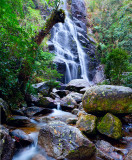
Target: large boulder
<point x="62" y="141"/>
<point x="87" y="123"/>
<point x="110" y="126"/>
<point x="108" y="98"/>
<point x="7" y="145"/>
<point x="4" y="110"/>
<point x="77" y="84"/>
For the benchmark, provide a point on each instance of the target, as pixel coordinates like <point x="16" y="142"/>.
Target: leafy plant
<point x="116" y="62"/>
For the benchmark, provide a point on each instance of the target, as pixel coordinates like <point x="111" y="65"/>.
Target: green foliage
<point x="20" y="57"/>
<point x="116" y="62"/>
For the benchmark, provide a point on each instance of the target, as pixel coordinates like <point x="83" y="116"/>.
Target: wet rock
<point x="108" y="98"/>
<point x="75" y="111"/>
<point x="18" y="121"/>
<point x="22" y="139"/>
<point x="39" y="157"/>
<point x="87" y="123"/>
<point x="7" y="144"/>
<point x="71" y="120"/>
<point x="76" y="96"/>
<point x="18" y="112"/>
<point x="47" y="102"/>
<point x="127" y="118"/>
<point x="62" y="93"/>
<point x="35" y="111"/>
<point x="78" y="10"/>
<point x="106" y="151"/>
<point x="54" y="95"/>
<point x="110" y="126"/>
<point x="84" y="90"/>
<point x="68" y="103"/>
<point x="82" y="112"/>
<point x="4" y="108"/>
<point x="77" y="84"/>
<point x="129" y="155"/>
<point x="80" y="106"/>
<point x="42" y="88"/>
<point x="62" y="141"/>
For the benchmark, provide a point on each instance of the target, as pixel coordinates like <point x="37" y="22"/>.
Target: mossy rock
<point x="87" y="123"/>
<point x="110" y="126"/>
<point x="108" y="98"/>
<point x="5" y="112"/>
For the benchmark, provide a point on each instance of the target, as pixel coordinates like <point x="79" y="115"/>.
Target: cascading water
<point x="68" y="49"/>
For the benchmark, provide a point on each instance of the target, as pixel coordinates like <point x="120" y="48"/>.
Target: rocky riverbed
<point x="77" y="121"/>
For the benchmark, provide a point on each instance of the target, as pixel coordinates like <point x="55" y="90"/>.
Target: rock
<point x="42" y="88"/>
<point x="35" y="111"/>
<point x="84" y="90"/>
<point x="62" y="141"/>
<point x="87" y="123"/>
<point x="54" y="95"/>
<point x="39" y="157"/>
<point x="68" y="103"/>
<point x="7" y="144"/>
<point x="75" y="111"/>
<point x="18" y="121"/>
<point x="4" y="110"/>
<point x="76" y="96"/>
<point x="22" y="139"/>
<point x="129" y="155"/>
<point x="82" y="112"/>
<point x="108" y="98"/>
<point x="78" y="10"/>
<point x="99" y="75"/>
<point x="110" y="126"/>
<point x="77" y="84"/>
<point x="71" y="120"/>
<point x="127" y="118"/>
<point x="62" y="93"/>
<point x="106" y="151"/>
<point x="47" y="102"/>
<point x="18" y="112"/>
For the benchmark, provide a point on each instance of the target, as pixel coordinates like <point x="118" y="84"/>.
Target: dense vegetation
<point x="22" y="62"/>
<point x="110" y="21"/>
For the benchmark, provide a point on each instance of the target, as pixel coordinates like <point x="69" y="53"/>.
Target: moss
<point x="111" y="126"/>
<point x="112" y="103"/>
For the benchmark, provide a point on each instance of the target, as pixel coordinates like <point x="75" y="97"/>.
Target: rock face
<point x="4" y="110"/>
<point x="77" y="84"/>
<point x="47" y="102"/>
<point x="87" y="123"/>
<point x="62" y="141"/>
<point x="6" y="144"/>
<point x="110" y="126"/>
<point x="108" y="98"/>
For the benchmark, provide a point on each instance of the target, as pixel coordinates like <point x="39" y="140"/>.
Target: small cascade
<point x="28" y="152"/>
<point x="69" y="52"/>
<point x="58" y="106"/>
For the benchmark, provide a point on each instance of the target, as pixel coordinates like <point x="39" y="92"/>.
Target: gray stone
<point x="62" y="141"/>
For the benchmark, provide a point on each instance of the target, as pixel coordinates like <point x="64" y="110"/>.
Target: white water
<point x="64" y="35"/>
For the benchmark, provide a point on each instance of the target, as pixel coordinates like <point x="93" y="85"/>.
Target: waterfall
<point x="68" y="50"/>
